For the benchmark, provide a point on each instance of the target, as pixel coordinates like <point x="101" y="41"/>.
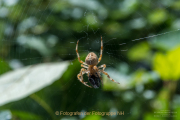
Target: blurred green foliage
<point x="141" y="40"/>
<point x="168" y="66"/>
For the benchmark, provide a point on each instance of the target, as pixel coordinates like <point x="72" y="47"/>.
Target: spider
<point x="90" y="68"/>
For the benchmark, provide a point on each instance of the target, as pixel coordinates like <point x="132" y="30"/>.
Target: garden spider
<point x="90" y="68"/>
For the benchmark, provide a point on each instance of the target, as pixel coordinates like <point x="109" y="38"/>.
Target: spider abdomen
<point x="94" y="80"/>
<point x="91" y="59"/>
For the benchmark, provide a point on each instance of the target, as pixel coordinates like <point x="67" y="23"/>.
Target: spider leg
<point x="101" y="50"/>
<point x="108" y="76"/>
<point x="95" y="68"/>
<point x="78" y="54"/>
<point x="80" y="77"/>
<point x="102" y="66"/>
<point x="84" y="66"/>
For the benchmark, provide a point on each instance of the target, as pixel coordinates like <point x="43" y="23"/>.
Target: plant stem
<point x="171" y="86"/>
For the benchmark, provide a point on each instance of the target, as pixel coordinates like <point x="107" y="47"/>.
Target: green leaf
<point x="20" y="83"/>
<point x="4" y="67"/>
<point x="158" y="16"/>
<point x="140" y="52"/>
<point x="92" y="117"/>
<point x="168" y="65"/>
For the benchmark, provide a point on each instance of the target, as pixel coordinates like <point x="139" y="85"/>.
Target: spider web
<point x="33" y="30"/>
